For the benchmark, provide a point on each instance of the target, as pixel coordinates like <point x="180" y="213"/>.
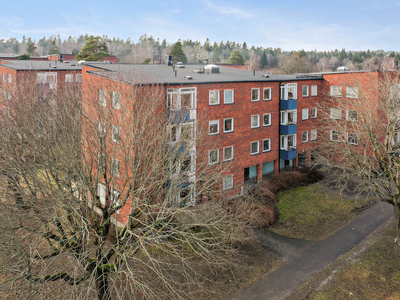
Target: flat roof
<point x="40" y="65"/>
<point x="134" y="73"/>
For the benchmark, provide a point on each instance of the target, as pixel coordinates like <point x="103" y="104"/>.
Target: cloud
<point x="227" y="10"/>
<point x="11" y="22"/>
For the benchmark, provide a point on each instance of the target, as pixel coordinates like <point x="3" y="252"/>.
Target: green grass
<point x="313" y="214"/>
<point x="374" y="275"/>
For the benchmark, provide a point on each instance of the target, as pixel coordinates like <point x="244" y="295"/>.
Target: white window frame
<point x="103" y="98"/>
<point x="336" y="113"/>
<point x="69" y="77"/>
<point x="349" y="118"/>
<point x="304" y="114"/>
<point x="231" y="130"/>
<point x="4" y="77"/>
<point x="270" y="94"/>
<point x="314" y="90"/>
<point x="335" y="132"/>
<point x="115" y="166"/>
<point x="269" y="143"/>
<point x="258" y="148"/>
<point x="233" y="96"/>
<point x="313" y="134"/>
<point x="285" y="94"/>
<point x="116" y="131"/>
<point x="227" y="182"/>
<point x="102" y="129"/>
<point x="335" y="91"/>
<point x="305" y="91"/>
<point x="255" y="117"/>
<point x="78" y="78"/>
<point x="348" y="136"/>
<point x="270" y="122"/>
<point x="258" y="95"/>
<point x="284" y="114"/>
<point x="116" y="100"/>
<point x="225" y="158"/>
<point x="9" y="78"/>
<point x="304" y="138"/>
<point x="209" y="157"/>
<point x="314" y="112"/>
<point x="209" y="97"/>
<point x="284" y="142"/>
<point x="213" y="122"/>
<point x="352" y="92"/>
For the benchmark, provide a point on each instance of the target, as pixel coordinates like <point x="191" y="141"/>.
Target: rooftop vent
<point x="265" y="75"/>
<point x="168" y="60"/>
<point x="342" y="69"/>
<point x="212" y="69"/>
<point x="189" y="77"/>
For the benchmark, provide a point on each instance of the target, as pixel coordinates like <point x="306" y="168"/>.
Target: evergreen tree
<point x="264" y="61"/>
<point x="235" y="58"/>
<point x="94" y="50"/>
<point x="30" y="49"/>
<point x="53" y="48"/>
<point x="177" y="53"/>
<point x="147" y="61"/>
<point x="24" y="57"/>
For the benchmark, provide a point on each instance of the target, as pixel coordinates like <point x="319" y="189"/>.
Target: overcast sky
<point x="291" y="25"/>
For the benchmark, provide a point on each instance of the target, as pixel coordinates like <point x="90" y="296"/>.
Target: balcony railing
<point x="288" y="153"/>
<point x="288" y="128"/>
<point x="288" y="104"/>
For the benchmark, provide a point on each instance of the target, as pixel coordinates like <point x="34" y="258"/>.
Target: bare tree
<point x="108" y="185"/>
<point x="295" y="63"/>
<point x="360" y="136"/>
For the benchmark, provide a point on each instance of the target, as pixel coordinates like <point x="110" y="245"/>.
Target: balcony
<point x="288" y="104"/>
<point x="178" y="116"/>
<point x="288" y="153"/>
<point x="288" y="128"/>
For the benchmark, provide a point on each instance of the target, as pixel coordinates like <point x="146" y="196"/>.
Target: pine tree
<point x="53" y="48"/>
<point x="177" y="53"/>
<point x="94" y="49"/>
<point x="264" y="61"/>
<point x="30" y="49"/>
<point x="235" y="58"/>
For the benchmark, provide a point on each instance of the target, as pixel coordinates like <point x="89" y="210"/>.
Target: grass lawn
<point x="372" y="274"/>
<point x="311" y="213"/>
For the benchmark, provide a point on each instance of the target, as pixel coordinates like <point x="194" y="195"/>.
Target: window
<point x="304" y="136"/>
<point x="213" y="156"/>
<point x="352" y="138"/>
<point x="313" y="134"/>
<point x="255" y="94"/>
<point x="336" y="91"/>
<point x="228" y="96"/>
<point x="396" y="138"/>
<point x="352" y="92"/>
<point x="228" y="182"/>
<point x="213" y="127"/>
<point x="115" y="134"/>
<point x="228" y="125"/>
<point x="102" y="98"/>
<point x="187" y="132"/>
<point x="186" y="100"/>
<point x="228" y="153"/>
<point x="288" y="117"/>
<point x="101" y="192"/>
<point x="288" y="142"/>
<point x="186" y="164"/>
<point x="116" y="100"/>
<point x="304" y="115"/>
<point x="313" y="112"/>
<point x="69" y="77"/>
<point x="255" y="148"/>
<point x="289" y="91"/>
<point x="214" y="97"/>
<point x="173" y="99"/>
<point x="336" y="113"/>
<point x="314" y="90"/>
<point x="255" y="121"/>
<point x="115" y="166"/>
<point x="102" y="129"/>
<point x="9" y="78"/>
<point x="335" y="136"/>
<point x="102" y="162"/>
<point x="266" y="145"/>
<point x="4" y="77"/>
<point x="173" y="131"/>
<point x="267" y="119"/>
<point x="352" y="115"/>
<point x="267" y="94"/>
<point x="78" y="77"/>
<point x="305" y="91"/>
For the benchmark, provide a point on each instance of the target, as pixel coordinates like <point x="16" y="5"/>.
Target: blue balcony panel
<point x="288" y="155"/>
<point x="288" y="104"/>
<point x="178" y="116"/>
<point x="288" y="129"/>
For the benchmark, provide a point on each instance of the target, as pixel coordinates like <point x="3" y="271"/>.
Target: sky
<point x="290" y="25"/>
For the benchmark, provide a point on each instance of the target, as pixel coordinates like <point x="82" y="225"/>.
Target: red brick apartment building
<point x="257" y="124"/>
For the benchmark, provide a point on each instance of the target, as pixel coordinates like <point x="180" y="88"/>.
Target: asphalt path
<point x="303" y="259"/>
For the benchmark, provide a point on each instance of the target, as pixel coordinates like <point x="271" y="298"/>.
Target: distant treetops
<point x="94" y="50"/>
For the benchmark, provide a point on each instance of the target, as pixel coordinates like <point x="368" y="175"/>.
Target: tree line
<point x="149" y="49"/>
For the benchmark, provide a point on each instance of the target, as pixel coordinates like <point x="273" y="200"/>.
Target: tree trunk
<point x="103" y="292"/>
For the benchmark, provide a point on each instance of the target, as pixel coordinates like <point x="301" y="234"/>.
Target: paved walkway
<point x="304" y="259"/>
